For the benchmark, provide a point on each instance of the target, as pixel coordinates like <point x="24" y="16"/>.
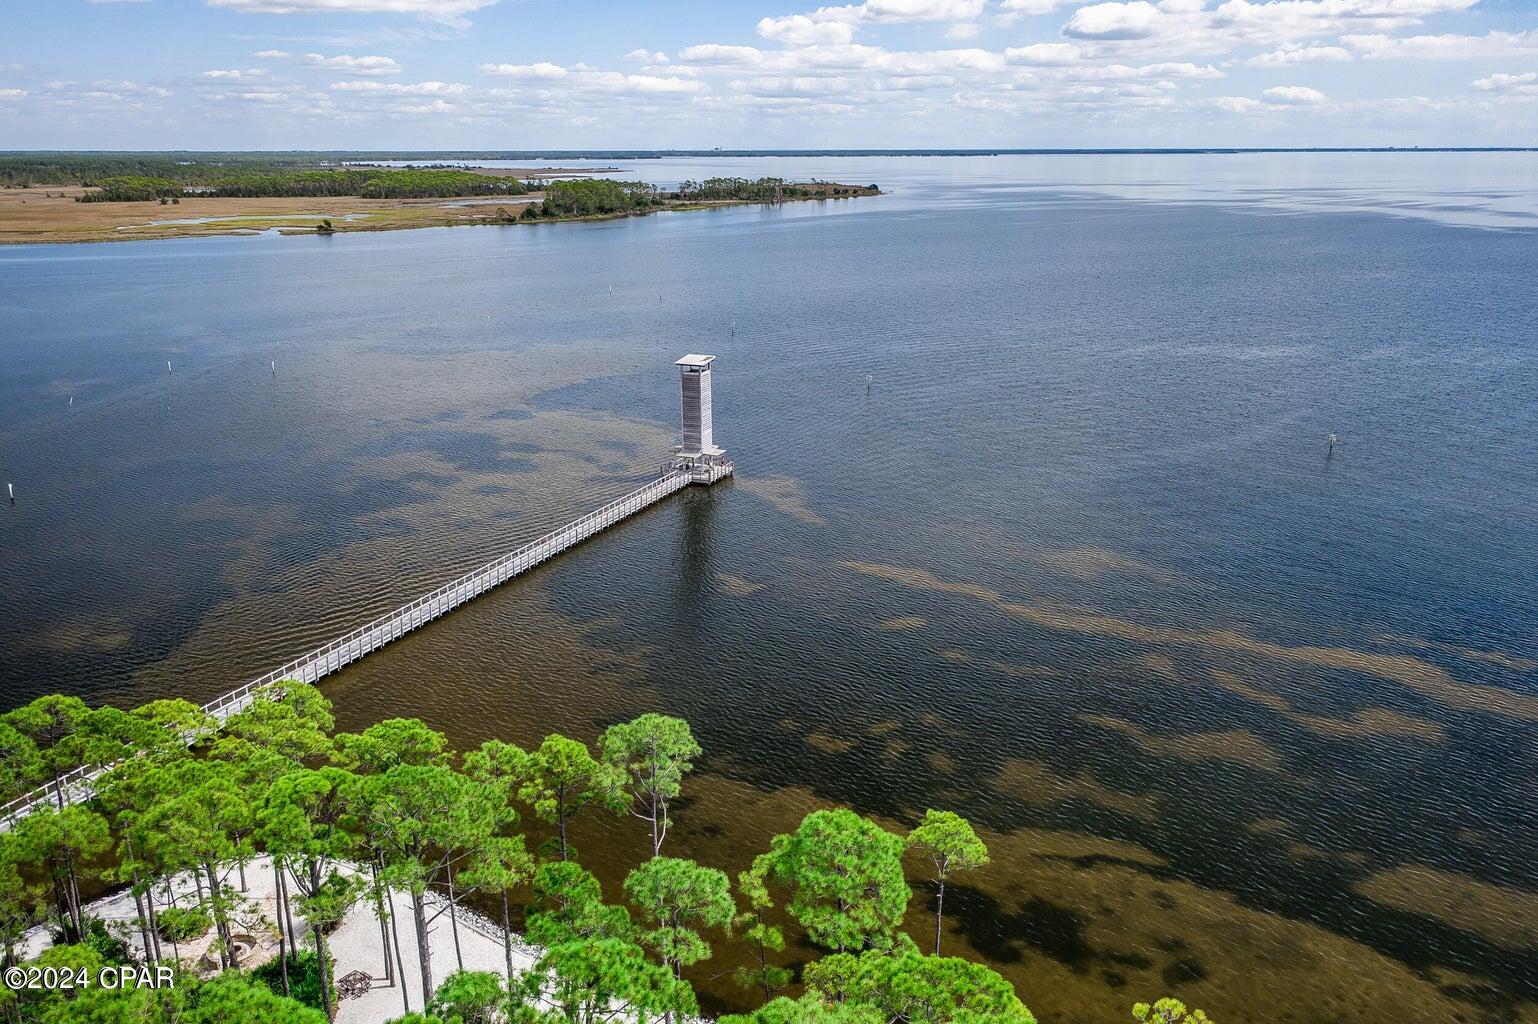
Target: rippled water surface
<point x="1035" y="518"/>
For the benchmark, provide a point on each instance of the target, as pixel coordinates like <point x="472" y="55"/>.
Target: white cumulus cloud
<point x="1178" y="69"/>
<point x="717" y="53"/>
<point x="802" y="30"/>
<point x="452" y="11"/>
<point x="235" y="74"/>
<point x="544" y="69"/>
<point x="403" y="88"/>
<point x="609" y="81"/>
<point x="581" y="76"/>
<point x="1443" y="47"/>
<point x="122" y="86"/>
<point x="833" y="25"/>
<point x="1191" y="24"/>
<point x="1295" y="19"/>
<point x="368" y="67"/>
<point x="920" y="10"/>
<point x="1524" y="83"/>
<point x="802" y="86"/>
<point x="1138" y="19"/>
<point x="1029" y="7"/>
<point x="1116" y="72"/>
<point x="1234" y="104"/>
<point x="1293" y="96"/>
<point x="1044" y="54"/>
<point x="1289" y="54"/>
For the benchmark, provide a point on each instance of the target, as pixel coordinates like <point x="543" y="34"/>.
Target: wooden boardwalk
<point x="79" y="784"/>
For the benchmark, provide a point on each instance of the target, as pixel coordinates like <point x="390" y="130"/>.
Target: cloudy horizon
<point x="561" y="74"/>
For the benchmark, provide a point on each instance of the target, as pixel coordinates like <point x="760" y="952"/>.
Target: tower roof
<point x="693" y="359"/>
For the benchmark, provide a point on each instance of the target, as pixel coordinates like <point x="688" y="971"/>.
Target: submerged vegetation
<point x="347" y="817"/>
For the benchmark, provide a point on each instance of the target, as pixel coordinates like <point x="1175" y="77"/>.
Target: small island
<point x="104" y="197"/>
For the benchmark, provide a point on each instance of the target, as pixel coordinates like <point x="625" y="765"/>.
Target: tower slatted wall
<point x="696" y="409"/>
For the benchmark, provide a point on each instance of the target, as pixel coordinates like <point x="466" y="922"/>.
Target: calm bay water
<point x="1244" y="718"/>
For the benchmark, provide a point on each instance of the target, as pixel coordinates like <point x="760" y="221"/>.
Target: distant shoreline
<point x="662" y="154"/>
<point x="50" y="215"/>
<point x="468" y="156"/>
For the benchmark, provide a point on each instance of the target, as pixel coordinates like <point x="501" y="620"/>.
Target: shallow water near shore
<point x="1243" y="716"/>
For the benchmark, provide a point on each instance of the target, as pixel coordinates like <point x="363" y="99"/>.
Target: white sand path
<point x="355" y="944"/>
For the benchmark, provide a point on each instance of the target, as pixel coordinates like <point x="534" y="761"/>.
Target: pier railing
<point x="77" y="785"/>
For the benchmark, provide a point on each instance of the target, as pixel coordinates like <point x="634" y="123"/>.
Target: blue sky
<point x="542" y="74"/>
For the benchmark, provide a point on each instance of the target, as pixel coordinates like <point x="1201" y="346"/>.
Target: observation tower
<point x="698" y="455"/>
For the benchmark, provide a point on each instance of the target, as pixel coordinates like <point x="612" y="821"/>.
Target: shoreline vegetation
<point x="348" y="820"/>
<point x="120" y="198"/>
<point x="365" y="184"/>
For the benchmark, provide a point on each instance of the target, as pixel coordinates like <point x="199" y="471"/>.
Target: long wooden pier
<point x="371" y="636"/>
<point x="79" y="785"/>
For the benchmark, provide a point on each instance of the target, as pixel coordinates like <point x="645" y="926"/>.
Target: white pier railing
<point x="78" y="785"/>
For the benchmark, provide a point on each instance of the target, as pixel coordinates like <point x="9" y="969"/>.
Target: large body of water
<point x="1035" y="518"/>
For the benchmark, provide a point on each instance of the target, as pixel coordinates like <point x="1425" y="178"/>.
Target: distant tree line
<point x="159" y="179"/>
<point x="89" y="169"/>
<point x="760" y="189"/>
<point x="368" y="183"/>
<point x="597" y="197"/>
<point x="134" y="188"/>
